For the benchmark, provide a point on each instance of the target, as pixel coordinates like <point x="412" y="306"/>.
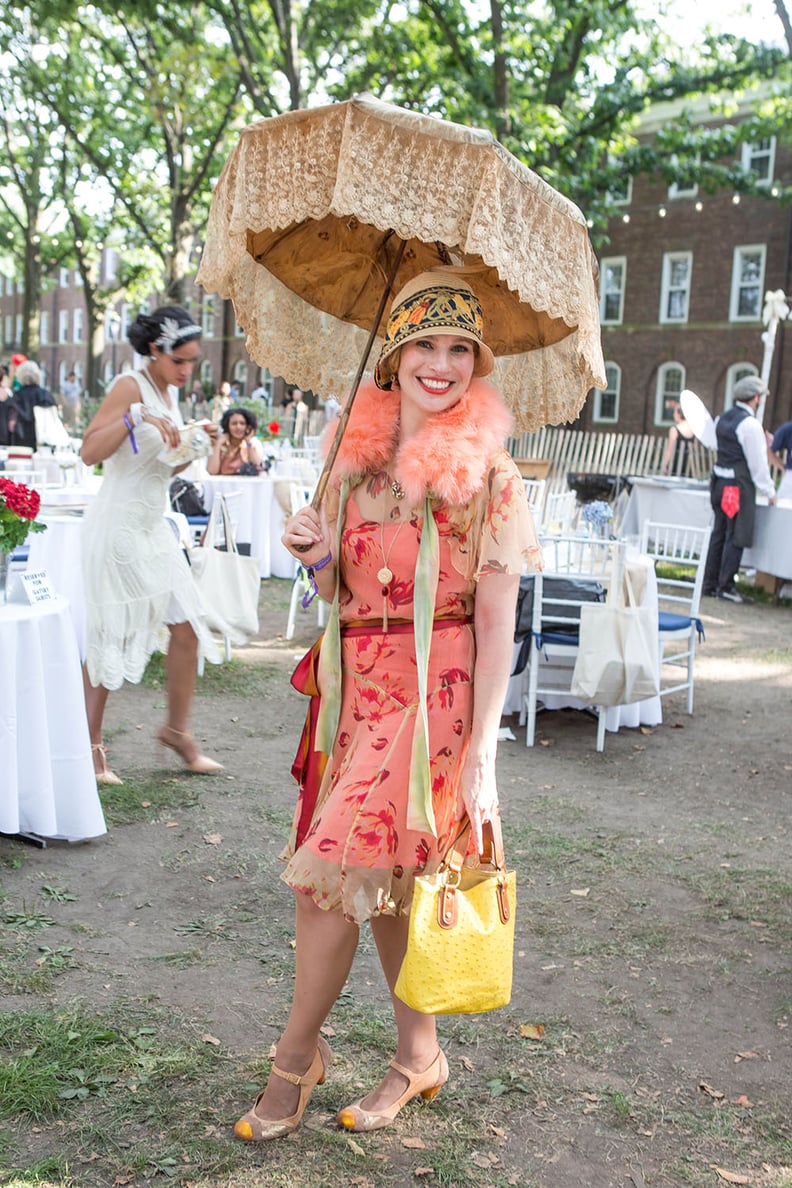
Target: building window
<point x="110" y="264"/>
<point x="606" y="404"/>
<point x="267" y="383"/>
<point x="44" y="327"/>
<point x="240" y="377"/>
<point x="63" y="325"/>
<point x="758" y="158"/>
<point x="107" y="373"/>
<point x="670" y="382"/>
<point x="64" y="278"/>
<point x="687" y="187"/>
<point x="612" y="280"/>
<point x="747" y="283"/>
<point x="9" y="332"/>
<point x="205" y="374"/>
<point x="736" y="372"/>
<point x="620" y="188"/>
<point x="675" y="295"/>
<point x="78" y="281"/>
<point x="9" y="286"/>
<point x="62" y="373"/>
<point x="208" y="317"/>
<point x="78" y="326"/>
<point x="18" y="327"/>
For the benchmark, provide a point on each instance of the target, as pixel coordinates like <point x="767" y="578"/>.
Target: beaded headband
<point x="172" y="333"/>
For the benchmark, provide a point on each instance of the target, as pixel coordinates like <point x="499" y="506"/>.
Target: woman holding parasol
<point x="419" y="546"/>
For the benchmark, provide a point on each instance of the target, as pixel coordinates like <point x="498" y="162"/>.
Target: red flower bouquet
<point x="273" y="428"/>
<point x="19" y="506"/>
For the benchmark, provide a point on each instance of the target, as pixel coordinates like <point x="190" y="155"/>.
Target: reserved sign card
<point x="35" y="587"/>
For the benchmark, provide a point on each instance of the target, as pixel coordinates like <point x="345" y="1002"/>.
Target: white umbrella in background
<point x="775" y="310"/>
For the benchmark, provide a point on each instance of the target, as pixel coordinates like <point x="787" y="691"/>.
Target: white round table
<point x="258" y="518"/>
<point x="47" y="788"/>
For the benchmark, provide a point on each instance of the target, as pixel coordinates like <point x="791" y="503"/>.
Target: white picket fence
<point x="576" y="450"/>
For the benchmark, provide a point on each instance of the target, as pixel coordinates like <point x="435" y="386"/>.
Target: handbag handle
<point x="491" y="855"/>
<point x="228" y="531"/>
<point x="451" y="867"/>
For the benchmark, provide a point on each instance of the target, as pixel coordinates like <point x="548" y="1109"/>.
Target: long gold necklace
<point x="385" y="574"/>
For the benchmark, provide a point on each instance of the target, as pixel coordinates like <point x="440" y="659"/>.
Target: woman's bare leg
<point x="95" y="702"/>
<point x="326" y="944"/>
<point x="417" y="1033"/>
<point x="181" y="670"/>
<point x="181" y="667"/>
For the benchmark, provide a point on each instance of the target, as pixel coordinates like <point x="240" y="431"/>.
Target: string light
<point x="625" y="218"/>
<point x="736" y="199"/>
<point x="699" y="206"/>
<point x="662" y="212"/>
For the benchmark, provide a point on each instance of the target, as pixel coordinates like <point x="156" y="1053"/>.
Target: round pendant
<point x="384" y="576"/>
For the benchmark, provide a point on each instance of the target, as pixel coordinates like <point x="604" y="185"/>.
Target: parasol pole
<point x="343" y="420"/>
<point x="775" y="310"/>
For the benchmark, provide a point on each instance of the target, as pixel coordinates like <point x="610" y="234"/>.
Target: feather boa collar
<point x="447" y="459"/>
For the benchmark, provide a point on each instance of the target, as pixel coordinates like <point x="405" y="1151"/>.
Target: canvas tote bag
<point x="229" y="582"/>
<point x="460" y="944"/>
<point x="618" y="652"/>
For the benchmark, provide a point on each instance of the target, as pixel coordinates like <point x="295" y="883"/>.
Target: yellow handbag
<point x="460" y="945"/>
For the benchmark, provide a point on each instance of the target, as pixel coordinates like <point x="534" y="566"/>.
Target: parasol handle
<point x="343" y="420"/>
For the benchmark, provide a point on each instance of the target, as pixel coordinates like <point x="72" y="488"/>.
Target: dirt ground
<point x="654" y="938"/>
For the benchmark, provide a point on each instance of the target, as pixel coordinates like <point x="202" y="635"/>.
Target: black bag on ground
<point x="186" y="498"/>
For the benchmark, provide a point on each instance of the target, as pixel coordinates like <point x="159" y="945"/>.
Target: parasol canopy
<point x="312" y="208"/>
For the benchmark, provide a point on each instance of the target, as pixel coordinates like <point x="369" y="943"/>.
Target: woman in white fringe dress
<point x="139" y="592"/>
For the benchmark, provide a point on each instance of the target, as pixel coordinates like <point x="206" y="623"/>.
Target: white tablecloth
<point x="668" y="502"/>
<point x="771" y="551"/>
<point x="640" y="713"/>
<point x="78" y="496"/>
<point x="47" y="784"/>
<point x="258" y="518"/>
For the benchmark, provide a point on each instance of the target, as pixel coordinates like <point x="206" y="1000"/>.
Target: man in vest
<point x="741" y="469"/>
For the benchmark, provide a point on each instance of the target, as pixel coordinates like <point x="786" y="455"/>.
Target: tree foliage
<point x="116" y="120"/>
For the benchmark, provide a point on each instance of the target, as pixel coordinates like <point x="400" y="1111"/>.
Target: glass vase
<point x="5" y="565"/>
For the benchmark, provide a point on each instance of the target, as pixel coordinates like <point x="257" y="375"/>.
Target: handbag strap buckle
<point x="447" y="907"/>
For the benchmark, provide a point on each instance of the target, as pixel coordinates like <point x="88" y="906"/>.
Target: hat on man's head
<point x="435" y="302"/>
<point x="748" y="387"/>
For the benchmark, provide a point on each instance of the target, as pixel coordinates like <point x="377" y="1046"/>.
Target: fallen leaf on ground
<point x="534" y="1031"/>
<point x="171" y="824"/>
<point x="327" y="1030"/>
<point x="730" y="1177"/>
<point x="715" y="1094"/>
<point x="583" y="893"/>
<point x="414" y="1144"/>
<point x="356" y="1147"/>
<point x="468" y="1064"/>
<point x="499" y="1130"/>
<point x="758" y="924"/>
<point x="210" y="1039"/>
<point x="746" y="1056"/>
<point x="146" y="803"/>
<point x="646" y="730"/>
<point x="213" y="839"/>
<point x="423" y="1171"/>
<point x="544" y="742"/>
<point x="742" y="1100"/>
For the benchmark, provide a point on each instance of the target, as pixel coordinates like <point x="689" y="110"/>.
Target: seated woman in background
<point x="237" y="446"/>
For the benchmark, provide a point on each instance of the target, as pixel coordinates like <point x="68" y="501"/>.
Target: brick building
<point x="682" y="287"/>
<point x="64" y="334"/>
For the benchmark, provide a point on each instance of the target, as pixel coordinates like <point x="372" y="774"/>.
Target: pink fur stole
<point x="448" y="458"/>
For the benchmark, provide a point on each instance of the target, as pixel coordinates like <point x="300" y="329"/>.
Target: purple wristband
<point x="310" y="570"/>
<point x="131" y="432"/>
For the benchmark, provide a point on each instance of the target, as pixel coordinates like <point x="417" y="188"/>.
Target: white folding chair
<point x="535" y="490"/>
<point x="560" y="512"/>
<point x="679" y="555"/>
<point x="576" y="571"/>
<point x="301" y="587"/>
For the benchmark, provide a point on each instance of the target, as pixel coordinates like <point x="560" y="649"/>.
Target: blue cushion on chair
<point x="567" y="638"/>
<point x="668" y="622"/>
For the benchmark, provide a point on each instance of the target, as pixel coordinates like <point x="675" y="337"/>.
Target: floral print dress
<point x="358" y="854"/>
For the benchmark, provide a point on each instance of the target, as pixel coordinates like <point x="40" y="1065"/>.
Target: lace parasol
<point x="309" y="212"/>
